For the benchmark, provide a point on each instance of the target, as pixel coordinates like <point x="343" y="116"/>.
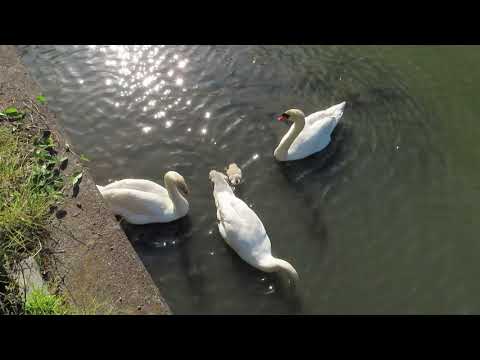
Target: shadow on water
<point x="176" y="235"/>
<point x="143" y="235"/>
<point x="371" y="97"/>
<point x="304" y="175"/>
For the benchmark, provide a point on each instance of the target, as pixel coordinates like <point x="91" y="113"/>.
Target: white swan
<point x="307" y="135"/>
<point x="243" y="231"/>
<point x="143" y="201"/>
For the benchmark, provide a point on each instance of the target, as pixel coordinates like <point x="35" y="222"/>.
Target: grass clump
<point x="40" y="302"/>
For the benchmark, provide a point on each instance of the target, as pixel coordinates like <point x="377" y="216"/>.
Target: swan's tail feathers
<point x="337" y="111"/>
<point x="278" y="265"/>
<point x="100" y="188"/>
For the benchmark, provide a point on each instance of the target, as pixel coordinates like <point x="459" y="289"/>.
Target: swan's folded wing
<point x="252" y="223"/>
<point x="313" y="138"/>
<point x="136" y="202"/>
<point x="313" y="118"/>
<point x="241" y="228"/>
<point x="138" y="184"/>
<point x="332" y="114"/>
<point x="225" y="212"/>
<point x="316" y="134"/>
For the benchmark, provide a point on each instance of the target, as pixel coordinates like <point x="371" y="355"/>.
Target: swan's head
<point x="292" y="115"/>
<point x="178" y="181"/>
<point x="217" y="176"/>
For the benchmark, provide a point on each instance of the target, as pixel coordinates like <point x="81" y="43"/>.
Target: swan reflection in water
<point x="156" y="242"/>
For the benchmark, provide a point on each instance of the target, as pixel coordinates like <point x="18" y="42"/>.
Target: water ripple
<point x="139" y="111"/>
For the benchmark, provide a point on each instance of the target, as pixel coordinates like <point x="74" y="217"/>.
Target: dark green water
<point x="383" y="221"/>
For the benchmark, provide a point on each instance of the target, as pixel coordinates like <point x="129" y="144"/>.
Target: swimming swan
<point x="243" y="231"/>
<point x="307" y="135"/>
<point x="143" y="201"/>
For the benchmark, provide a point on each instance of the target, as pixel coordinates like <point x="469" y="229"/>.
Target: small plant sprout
<point x="41" y="99"/>
<point x="12" y="113"/>
<point x="84" y="158"/>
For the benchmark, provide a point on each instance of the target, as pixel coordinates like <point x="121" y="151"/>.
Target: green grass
<point x="40" y="302"/>
<point x="30" y="184"/>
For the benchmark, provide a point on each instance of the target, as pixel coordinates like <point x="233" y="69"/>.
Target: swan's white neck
<point x="281" y="152"/>
<point x="221" y="185"/>
<point x="273" y="264"/>
<point x="180" y="204"/>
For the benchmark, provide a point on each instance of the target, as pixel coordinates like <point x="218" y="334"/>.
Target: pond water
<point x="382" y="221"/>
